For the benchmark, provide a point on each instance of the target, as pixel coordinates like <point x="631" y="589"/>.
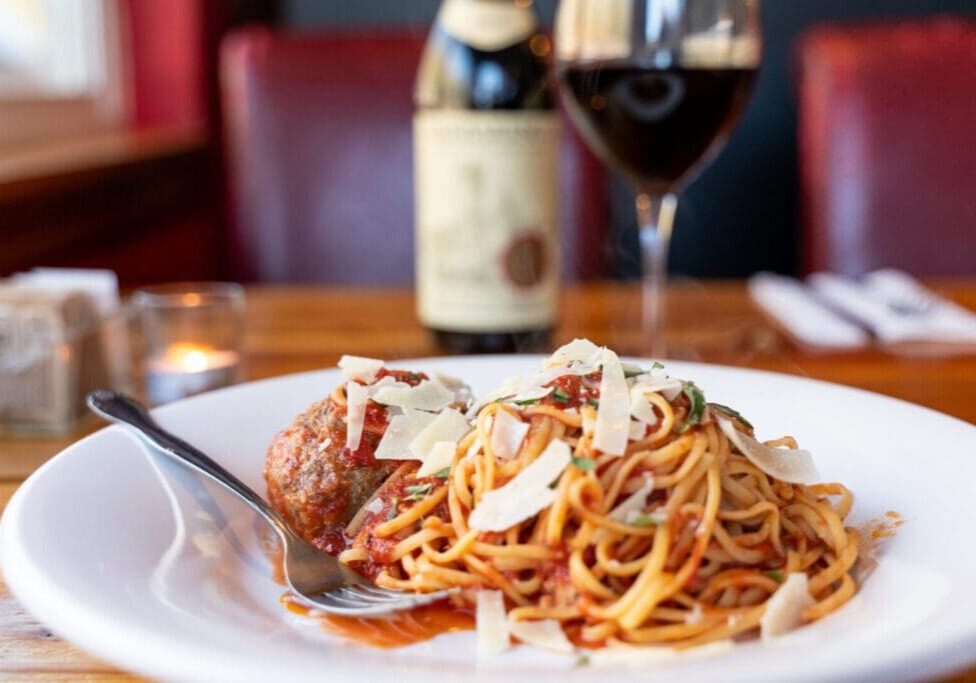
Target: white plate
<point x="122" y="558"/>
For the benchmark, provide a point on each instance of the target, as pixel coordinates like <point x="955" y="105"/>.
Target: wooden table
<point x="290" y="330"/>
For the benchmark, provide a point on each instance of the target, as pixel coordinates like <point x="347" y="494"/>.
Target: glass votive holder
<point x="191" y="338"/>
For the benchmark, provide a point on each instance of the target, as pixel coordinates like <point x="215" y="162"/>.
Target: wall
<point x="741" y="215"/>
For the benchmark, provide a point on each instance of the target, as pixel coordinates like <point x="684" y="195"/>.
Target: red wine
<point x="655" y="125"/>
<point x="486" y="148"/>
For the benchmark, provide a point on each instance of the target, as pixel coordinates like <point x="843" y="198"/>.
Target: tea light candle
<point x="188" y="369"/>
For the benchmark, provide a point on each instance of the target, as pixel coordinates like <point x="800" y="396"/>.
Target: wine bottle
<point x="486" y="157"/>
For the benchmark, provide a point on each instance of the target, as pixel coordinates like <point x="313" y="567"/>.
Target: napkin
<point x="897" y="309"/>
<point x="798" y="311"/>
<point x="101" y="286"/>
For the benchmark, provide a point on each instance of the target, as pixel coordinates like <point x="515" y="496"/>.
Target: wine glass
<point x="654" y="87"/>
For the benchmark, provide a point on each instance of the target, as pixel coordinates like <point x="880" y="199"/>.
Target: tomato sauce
<point x="571" y="391"/>
<point x="397" y="630"/>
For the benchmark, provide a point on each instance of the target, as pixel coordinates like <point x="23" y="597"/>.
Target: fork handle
<point x="121" y="409"/>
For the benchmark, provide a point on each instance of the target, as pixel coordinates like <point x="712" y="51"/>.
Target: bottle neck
<point x="488" y="25"/>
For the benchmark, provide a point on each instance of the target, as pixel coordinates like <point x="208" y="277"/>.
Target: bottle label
<point x="487" y="25"/>
<point x="487" y="229"/>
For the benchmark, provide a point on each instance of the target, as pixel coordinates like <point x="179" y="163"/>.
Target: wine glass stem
<point x="655" y="217"/>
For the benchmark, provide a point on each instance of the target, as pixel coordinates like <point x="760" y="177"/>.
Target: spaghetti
<point x="679" y="539"/>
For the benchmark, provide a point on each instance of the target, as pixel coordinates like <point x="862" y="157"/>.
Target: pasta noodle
<point x="706" y="540"/>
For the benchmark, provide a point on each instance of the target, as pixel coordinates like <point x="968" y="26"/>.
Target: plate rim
<point x="20" y="571"/>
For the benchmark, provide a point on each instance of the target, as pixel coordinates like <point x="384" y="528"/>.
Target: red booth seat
<point x="888" y="147"/>
<point x="320" y="148"/>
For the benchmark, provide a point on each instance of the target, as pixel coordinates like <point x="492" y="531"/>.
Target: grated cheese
<point x="525" y="495"/>
<point x="356" y="397"/>
<point x="612" y="431"/>
<point x="785" y="464"/>
<point x="429" y="395"/>
<point x="357" y="367"/>
<point x="492" y="623"/>
<point x="507" y="434"/>
<point x="403" y="429"/>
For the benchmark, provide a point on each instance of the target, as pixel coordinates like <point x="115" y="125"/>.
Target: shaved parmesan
<point x="509" y="387"/>
<point x="785" y="464"/>
<point x="431" y="396"/>
<point x="634" y="503"/>
<point x="387" y="381"/>
<point x="526" y="395"/>
<point x="525" y="495"/>
<point x="550" y="375"/>
<point x="438" y="459"/>
<point x="492" y="623"/>
<point x="507" y="434"/>
<point x="402" y="430"/>
<point x="784" y="611"/>
<point x="638" y="430"/>
<point x="449" y="425"/>
<point x="613" y="416"/>
<point x="356" y="397"/>
<point x="667" y="387"/>
<point x="357" y="367"/>
<point x="642" y="409"/>
<point x="462" y="392"/>
<point x="375" y="506"/>
<point x="547" y="634"/>
<point x="576" y="351"/>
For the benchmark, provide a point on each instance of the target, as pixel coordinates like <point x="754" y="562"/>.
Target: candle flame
<point x="195" y="361"/>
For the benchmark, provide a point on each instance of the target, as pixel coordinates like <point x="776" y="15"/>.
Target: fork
<point x="317" y="580"/>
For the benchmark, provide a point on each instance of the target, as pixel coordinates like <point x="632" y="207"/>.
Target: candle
<point x="188" y="369"/>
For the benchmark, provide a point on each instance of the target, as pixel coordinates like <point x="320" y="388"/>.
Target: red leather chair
<point x="888" y="147"/>
<point x="319" y="140"/>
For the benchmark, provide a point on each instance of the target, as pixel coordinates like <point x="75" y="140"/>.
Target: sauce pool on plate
<point x="397" y="630"/>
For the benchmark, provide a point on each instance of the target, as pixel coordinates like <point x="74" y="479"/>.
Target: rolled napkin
<point x="798" y="312"/>
<point x="897" y="309"/>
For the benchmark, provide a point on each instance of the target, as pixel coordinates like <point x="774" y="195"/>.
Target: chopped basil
<point x="418" y="492"/>
<point x="775" y="575"/>
<point x="394" y="504"/>
<point x="657" y="366"/>
<point x="584" y="464"/>
<point x="731" y="412"/>
<point x="584" y="660"/>
<point x="526" y="402"/>
<point x="593" y="402"/>
<point x="648" y="520"/>
<point x="561" y="396"/>
<point x="697" y="410"/>
<point x="444" y="473"/>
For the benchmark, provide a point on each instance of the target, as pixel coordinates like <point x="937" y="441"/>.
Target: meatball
<point x="315" y="482"/>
